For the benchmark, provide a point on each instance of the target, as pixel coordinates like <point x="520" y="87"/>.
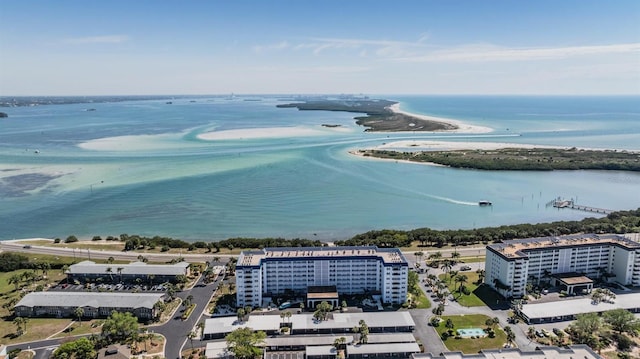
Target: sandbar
<point x="461" y="127"/>
<point x="269" y="132"/>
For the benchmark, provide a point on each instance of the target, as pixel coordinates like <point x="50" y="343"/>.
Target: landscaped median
<point x="455" y="342"/>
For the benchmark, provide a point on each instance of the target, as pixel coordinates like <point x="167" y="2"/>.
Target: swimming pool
<point x="471" y="332"/>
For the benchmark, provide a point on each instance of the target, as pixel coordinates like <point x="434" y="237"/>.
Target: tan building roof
<point x="254" y="258"/>
<point x="517" y="248"/>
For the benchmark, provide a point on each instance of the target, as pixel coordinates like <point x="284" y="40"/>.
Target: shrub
<point x="57" y="240"/>
<point x="164" y="249"/>
<point x="71" y="239"/>
<point x="96" y="238"/>
<point x="444" y="336"/>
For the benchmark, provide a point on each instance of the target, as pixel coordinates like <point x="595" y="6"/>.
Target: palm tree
<point x="192" y="335"/>
<point x="454" y="256"/>
<point x="110" y="260"/>
<point x="240" y="314"/>
<point x="119" y="270"/>
<point x="200" y="327"/>
<point x="287" y="315"/>
<point x="21" y="326"/>
<point x="435" y="258"/>
<point x="446" y="265"/>
<point x="452" y="274"/>
<point x="462" y="279"/>
<point x="15" y="279"/>
<point x="418" y="257"/>
<point x="109" y="271"/>
<point x="79" y="312"/>
<point x="511" y="336"/>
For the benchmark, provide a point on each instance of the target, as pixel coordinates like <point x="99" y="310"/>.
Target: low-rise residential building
<point x="94" y="305"/>
<point x="580" y="351"/>
<point x="146" y="273"/>
<point x="383" y="322"/>
<point x="351" y="270"/>
<point x="395" y="345"/>
<point x="509" y="266"/>
<point x="568" y="309"/>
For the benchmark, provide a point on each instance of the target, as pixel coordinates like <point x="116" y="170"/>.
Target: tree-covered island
<point x="521" y="159"/>
<point x="379" y="115"/>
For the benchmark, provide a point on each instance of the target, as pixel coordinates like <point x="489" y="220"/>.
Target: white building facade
<point x="351" y="270"/>
<point x="511" y="265"/>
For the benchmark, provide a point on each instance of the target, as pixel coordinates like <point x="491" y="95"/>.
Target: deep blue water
<point x="161" y="178"/>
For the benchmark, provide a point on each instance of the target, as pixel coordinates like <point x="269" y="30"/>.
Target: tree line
<point x="617" y="222"/>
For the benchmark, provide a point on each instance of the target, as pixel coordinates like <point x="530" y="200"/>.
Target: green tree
<point x="243" y="343"/>
<point x="240" y="314"/>
<point x="120" y="327"/>
<point x="364" y="331"/>
<point x="192" y="335"/>
<point x="322" y="311"/>
<point x="15" y="279"/>
<point x="585" y="328"/>
<point x="511" y="336"/>
<point x="462" y="279"/>
<point x="81" y="348"/>
<point x="622" y="320"/>
<point x="21" y="325"/>
<point x="79" y="312"/>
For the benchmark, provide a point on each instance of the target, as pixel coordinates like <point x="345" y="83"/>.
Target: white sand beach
<point x="420" y="145"/>
<point x="269" y="132"/>
<point x="462" y="127"/>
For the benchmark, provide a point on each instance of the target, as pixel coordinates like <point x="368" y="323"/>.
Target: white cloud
<point x="279" y="46"/>
<point x="483" y="53"/>
<point x="106" y="39"/>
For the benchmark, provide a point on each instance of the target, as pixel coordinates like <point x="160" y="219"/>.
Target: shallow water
<point x="161" y="178"/>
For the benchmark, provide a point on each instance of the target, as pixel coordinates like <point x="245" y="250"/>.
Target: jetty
<point x="570" y="203"/>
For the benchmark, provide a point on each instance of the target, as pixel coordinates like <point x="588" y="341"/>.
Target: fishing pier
<point x="570" y="203"/>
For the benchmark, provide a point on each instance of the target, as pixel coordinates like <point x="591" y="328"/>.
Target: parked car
<point x="465" y="268"/>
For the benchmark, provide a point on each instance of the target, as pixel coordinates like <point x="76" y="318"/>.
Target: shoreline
<point x="461" y="127"/>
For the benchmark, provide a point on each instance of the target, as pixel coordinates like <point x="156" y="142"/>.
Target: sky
<point x="541" y="47"/>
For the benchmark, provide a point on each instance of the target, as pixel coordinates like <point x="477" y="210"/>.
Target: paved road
<point x="176" y="330"/>
<point x="105" y="254"/>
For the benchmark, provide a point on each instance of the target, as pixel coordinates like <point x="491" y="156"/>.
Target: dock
<point x="569" y="203"/>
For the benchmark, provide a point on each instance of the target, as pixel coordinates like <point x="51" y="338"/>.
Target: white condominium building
<point x="510" y="265"/>
<point x="352" y="270"/>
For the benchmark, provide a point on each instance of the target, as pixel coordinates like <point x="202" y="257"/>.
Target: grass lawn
<point x="468" y="345"/>
<point x="475" y="259"/>
<point x="470" y="300"/>
<point x="86" y="327"/>
<point x="422" y="302"/>
<point x="37" y="329"/>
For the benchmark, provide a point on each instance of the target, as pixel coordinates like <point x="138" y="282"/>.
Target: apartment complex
<point x="94" y="305"/>
<point x="511" y="265"/>
<point x="148" y="273"/>
<point x="352" y="270"/>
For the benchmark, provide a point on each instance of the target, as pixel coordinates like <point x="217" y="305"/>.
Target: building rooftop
<point x="367" y="349"/>
<point x="223" y="325"/>
<point x="579" y="306"/>
<point x="135" y="268"/>
<point x="306" y="340"/>
<point x="580" y="351"/>
<point x="518" y="248"/>
<point x="89" y="299"/>
<point x="255" y="257"/>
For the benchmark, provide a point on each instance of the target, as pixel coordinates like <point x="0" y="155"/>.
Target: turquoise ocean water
<point x="140" y="167"/>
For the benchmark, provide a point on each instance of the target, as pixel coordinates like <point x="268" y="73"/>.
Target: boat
<point x="484" y="203"/>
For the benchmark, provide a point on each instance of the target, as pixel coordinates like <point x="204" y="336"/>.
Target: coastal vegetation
<point x="521" y="159"/>
<point x="617" y="222"/>
<point x="379" y="116"/>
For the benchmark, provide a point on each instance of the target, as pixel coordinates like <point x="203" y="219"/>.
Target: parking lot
<point x="119" y="287"/>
